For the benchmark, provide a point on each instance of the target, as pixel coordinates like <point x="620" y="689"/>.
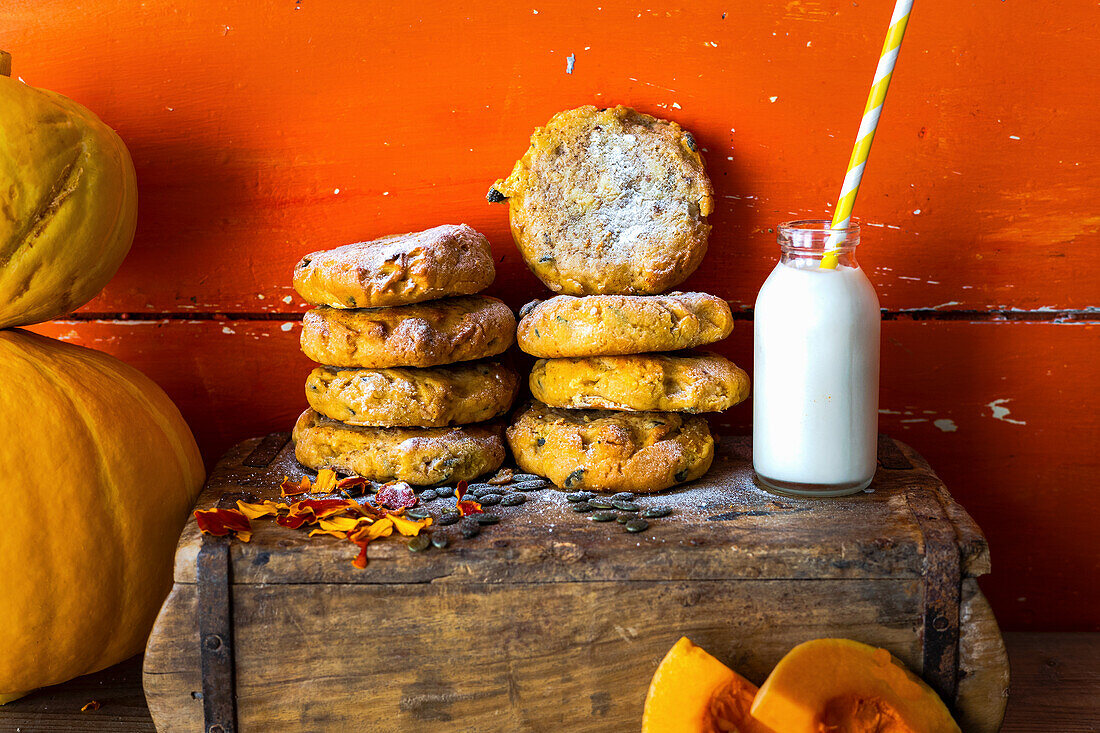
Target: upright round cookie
<point x="610" y="325"/>
<point x="420" y="335"/>
<point x="689" y="383"/>
<point x="609" y="201"/>
<point x="447" y="260"/>
<point x="428" y="398"/>
<point x="422" y="456"/>
<point x="611" y="451"/>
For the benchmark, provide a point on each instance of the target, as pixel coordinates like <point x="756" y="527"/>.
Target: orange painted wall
<point x="263" y="130"/>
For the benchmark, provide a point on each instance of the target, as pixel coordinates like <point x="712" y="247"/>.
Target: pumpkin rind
<point x="68" y="204"/>
<point x="100" y="472"/>
<point x="692" y="692"/>
<point x="845" y="686"/>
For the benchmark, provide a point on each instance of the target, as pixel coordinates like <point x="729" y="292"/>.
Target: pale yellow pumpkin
<point x="68" y="203"/>
<point x="99" y="472"/>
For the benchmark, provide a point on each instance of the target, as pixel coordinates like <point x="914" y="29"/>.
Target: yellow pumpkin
<point x="68" y="203"/>
<point x="847" y="687"/>
<point x="692" y="692"/>
<point x="99" y="472"/>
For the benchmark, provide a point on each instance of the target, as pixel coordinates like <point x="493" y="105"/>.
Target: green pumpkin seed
<point x="417" y="513"/>
<point x="623" y="496"/>
<point x="486" y="519"/>
<point x="579" y="496"/>
<point x="636" y="525"/>
<point x="443" y="492"/>
<point x="448" y="518"/>
<point x="655" y="512"/>
<point x="419" y="543"/>
<point x="490" y="499"/>
<point x="521" y="477"/>
<point x="623" y="518"/>
<point x="428" y="495"/>
<point x="574" y="478"/>
<point x="582" y="506"/>
<point x="535" y="485"/>
<point x="470" y="528"/>
<point x="601" y="503"/>
<point x="480" y="490"/>
<point x="625" y="506"/>
<point x="603" y="516"/>
<point x="513" y="500"/>
<point x="440" y="540"/>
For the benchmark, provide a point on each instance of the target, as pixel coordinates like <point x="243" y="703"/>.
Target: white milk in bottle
<point x="815" y="381"/>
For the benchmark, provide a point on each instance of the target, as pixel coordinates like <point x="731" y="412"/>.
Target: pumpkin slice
<point x="843" y="686"/>
<point x="692" y="692"/>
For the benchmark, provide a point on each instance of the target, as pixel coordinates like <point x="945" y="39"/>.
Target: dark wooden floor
<point x="1055" y="687"/>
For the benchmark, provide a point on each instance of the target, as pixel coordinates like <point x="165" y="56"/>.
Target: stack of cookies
<point x="609" y="208"/>
<point x="407" y="388"/>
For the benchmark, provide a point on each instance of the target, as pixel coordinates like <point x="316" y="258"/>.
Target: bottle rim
<point x="816" y="235"/>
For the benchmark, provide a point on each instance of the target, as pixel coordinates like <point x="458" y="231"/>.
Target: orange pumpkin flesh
<point x="843" y="686"/>
<point x="692" y="692"/>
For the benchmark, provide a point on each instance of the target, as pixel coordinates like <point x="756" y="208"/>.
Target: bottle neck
<point x="806" y="243"/>
<point x="812" y="257"/>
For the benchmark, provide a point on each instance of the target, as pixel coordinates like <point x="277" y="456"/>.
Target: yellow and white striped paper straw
<point x="842" y="216"/>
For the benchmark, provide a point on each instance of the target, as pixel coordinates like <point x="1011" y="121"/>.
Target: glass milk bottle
<point x="815" y="380"/>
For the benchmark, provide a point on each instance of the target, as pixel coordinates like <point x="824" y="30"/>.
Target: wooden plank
<point x="263" y="130"/>
<point x="56" y="709"/>
<point x="476" y="657"/>
<point x="1055" y="683"/>
<point x="724" y="527"/>
<point x="1055" y="688"/>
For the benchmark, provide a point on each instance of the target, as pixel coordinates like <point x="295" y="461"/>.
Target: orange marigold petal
<point x="220" y="522"/>
<point x="382" y="528"/>
<point x="292" y="488"/>
<point x="342" y="524"/>
<point x="467" y="507"/>
<point x="332" y="532"/>
<point x="255" y="511"/>
<point x="90" y="705"/>
<point x="326" y="481"/>
<point x="410" y="527"/>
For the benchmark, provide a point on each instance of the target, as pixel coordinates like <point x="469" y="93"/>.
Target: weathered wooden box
<point x="551" y="622"/>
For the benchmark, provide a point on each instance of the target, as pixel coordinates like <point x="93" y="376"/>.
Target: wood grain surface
<point x="509" y="630"/>
<point x="264" y="130"/>
<point x="1055" y="689"/>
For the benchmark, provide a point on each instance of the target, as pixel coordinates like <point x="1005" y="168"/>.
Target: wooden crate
<point x="548" y="621"/>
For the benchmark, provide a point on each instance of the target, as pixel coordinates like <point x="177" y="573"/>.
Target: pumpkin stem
<point x="5" y="63"/>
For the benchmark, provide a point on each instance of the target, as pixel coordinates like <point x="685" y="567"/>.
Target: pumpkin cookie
<point x="609" y="325"/>
<point x="419" y="335"/>
<point x="421" y="456"/>
<point x="609" y="201"/>
<point x="611" y="451"/>
<point x="452" y="259"/>
<point x="426" y="398"/>
<point x="641" y="382"/>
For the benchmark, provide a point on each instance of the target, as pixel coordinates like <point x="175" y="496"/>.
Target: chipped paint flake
<point x="287" y="326"/>
<point x="773" y="99"/>
<point x="227" y="329"/>
<point x="570" y="61"/>
<point x="1000" y="412"/>
<point x="946" y="425"/>
<point x="287" y="299"/>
